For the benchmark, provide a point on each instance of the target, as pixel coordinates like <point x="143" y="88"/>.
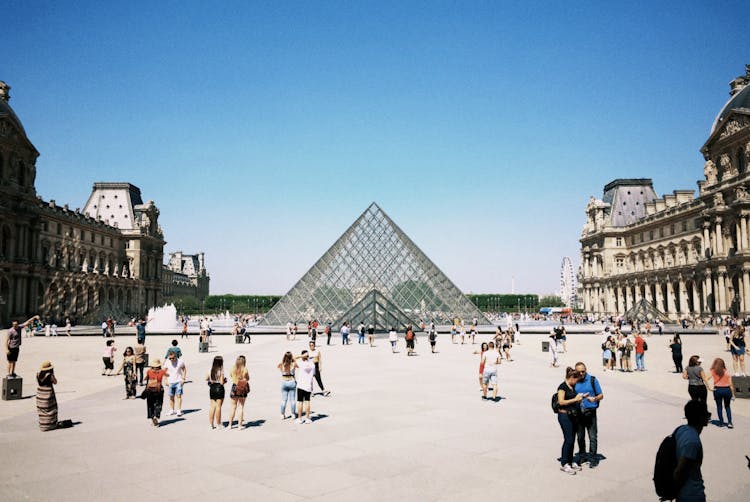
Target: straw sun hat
<point x="46" y="366"/>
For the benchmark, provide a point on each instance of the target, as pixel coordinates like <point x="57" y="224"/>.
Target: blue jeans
<point x="361" y="338"/>
<point x="569" y="430"/>
<point x="288" y="388"/>
<point x="723" y="396"/>
<point x="639" y="365"/>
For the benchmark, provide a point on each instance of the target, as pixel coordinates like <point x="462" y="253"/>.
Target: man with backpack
<point x="588" y="384"/>
<point x="677" y="471"/>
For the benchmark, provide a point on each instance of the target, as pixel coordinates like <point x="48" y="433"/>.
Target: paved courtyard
<point x="394" y="428"/>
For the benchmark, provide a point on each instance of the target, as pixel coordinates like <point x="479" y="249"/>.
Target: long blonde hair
<point x="239" y="371"/>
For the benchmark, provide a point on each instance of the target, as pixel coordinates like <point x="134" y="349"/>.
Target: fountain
<point x="163" y="320"/>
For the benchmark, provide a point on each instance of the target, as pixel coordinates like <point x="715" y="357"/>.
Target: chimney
<point x="4" y="91"/>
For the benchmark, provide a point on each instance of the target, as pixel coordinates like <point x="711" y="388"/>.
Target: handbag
<point x="242" y="387"/>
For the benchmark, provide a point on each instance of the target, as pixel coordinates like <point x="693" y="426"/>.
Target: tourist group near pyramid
<point x="376" y="275"/>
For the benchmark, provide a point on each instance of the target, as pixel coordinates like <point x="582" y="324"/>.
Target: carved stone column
<point x="696" y="297"/>
<point x="719" y="238"/>
<point x="628" y="297"/>
<point x="670" y="297"/>
<point x="707" y="289"/>
<point x="722" y="289"/>
<point x="648" y="296"/>
<point x="706" y="239"/>
<point x="659" y="300"/>
<point x="742" y="237"/>
<point x="738" y="232"/>
<point x="746" y="290"/>
<point x="683" y="296"/>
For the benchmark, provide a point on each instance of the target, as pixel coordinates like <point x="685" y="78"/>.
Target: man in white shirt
<point x="305" y="373"/>
<point x="176" y="373"/>
<point x="316" y="359"/>
<point x="490" y="359"/>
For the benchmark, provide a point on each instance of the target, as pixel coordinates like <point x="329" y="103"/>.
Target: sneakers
<point x="307" y="421"/>
<point x="170" y="413"/>
<point x="155" y="421"/>
<point x="575" y="466"/>
<point x="567" y="469"/>
<point x="593" y="464"/>
<point x="730" y="426"/>
<point x="299" y="421"/>
<point x="179" y="413"/>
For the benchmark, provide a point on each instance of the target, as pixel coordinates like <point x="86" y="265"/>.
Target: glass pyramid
<point x="374" y="274"/>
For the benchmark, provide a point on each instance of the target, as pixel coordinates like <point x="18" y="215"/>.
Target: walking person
<point x="676" y="348"/>
<point x="588" y="384"/>
<point x="216" y="381"/>
<point x="491" y="359"/>
<point x="696" y="377"/>
<point x="432" y="337"/>
<point x="361" y="333"/>
<point x="304" y="375"/>
<point x="240" y="389"/>
<point x="393" y="338"/>
<point x="345" y="333"/>
<point x="328" y="330"/>
<point x="507" y="344"/>
<point x="287" y="366"/>
<point x="640" y="352"/>
<point x="553" y="351"/>
<point x="371" y="335"/>
<point x="482" y="349"/>
<point x="128" y="369"/>
<point x="737" y="348"/>
<point x="68" y="326"/>
<point x="568" y="410"/>
<point x="316" y="359"/>
<point x="155" y="391"/>
<point x="140" y="360"/>
<point x="46" y="401"/>
<point x="607" y="354"/>
<point x="687" y="476"/>
<point x="176" y="376"/>
<point x="140" y="331"/>
<point x="13" y="344"/>
<point x="410" y="339"/>
<point x="723" y="391"/>
<point x="108" y="358"/>
<point x="184" y="329"/>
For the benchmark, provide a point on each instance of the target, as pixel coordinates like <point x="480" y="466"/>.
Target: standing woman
<point x="216" y="381"/>
<point x="155" y="391"/>
<point x="676" y="347"/>
<point x="288" y="384"/>
<point x="46" y="402"/>
<point x="607" y="353"/>
<point x="507" y="345"/>
<point x="569" y="402"/>
<point x="370" y="335"/>
<point x="393" y="338"/>
<point x="723" y="390"/>
<point x="737" y="348"/>
<point x="128" y="367"/>
<point x="482" y="349"/>
<point x="696" y="378"/>
<point x="240" y="389"/>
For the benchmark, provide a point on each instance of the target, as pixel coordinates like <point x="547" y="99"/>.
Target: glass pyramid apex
<point x="374" y="274"/>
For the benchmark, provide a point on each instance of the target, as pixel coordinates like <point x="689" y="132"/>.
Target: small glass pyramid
<point x="376" y="275"/>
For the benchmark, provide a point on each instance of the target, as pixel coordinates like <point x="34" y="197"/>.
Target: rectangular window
<point x="650" y="235"/>
<point x="661" y="231"/>
<point x="671" y="229"/>
<point x="684" y="226"/>
<point x="618" y="241"/>
<point x="620" y="262"/>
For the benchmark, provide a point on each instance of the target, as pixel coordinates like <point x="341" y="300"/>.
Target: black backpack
<point x="664" y="467"/>
<point x="555" y="403"/>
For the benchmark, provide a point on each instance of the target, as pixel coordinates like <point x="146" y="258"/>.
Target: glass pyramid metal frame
<point x="374" y="274"/>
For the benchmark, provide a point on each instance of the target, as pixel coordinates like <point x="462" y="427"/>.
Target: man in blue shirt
<point x="687" y="475"/>
<point x="589" y="385"/>
<point x="140" y="329"/>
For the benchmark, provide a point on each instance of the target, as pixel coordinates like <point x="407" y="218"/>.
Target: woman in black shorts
<point x="216" y="381"/>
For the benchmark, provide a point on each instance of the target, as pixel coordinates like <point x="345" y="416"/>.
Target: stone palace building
<point x="687" y="255"/>
<point x="185" y="275"/>
<point x="59" y="262"/>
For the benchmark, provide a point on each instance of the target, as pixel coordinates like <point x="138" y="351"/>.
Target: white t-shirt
<point x="314" y="355"/>
<point x="304" y="374"/>
<point x="174" y="370"/>
<point x="490" y="360"/>
<point x="392" y="336"/>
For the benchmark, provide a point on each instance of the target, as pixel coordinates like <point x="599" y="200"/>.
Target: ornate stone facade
<point x="185" y="275"/>
<point x="63" y="263"/>
<point x="689" y="256"/>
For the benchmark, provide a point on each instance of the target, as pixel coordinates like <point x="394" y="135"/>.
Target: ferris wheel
<point x="567" y="283"/>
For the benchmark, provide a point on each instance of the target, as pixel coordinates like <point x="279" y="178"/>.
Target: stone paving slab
<point x="395" y="427"/>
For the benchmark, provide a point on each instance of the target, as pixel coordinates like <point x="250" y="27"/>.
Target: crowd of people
<point x="575" y="401"/>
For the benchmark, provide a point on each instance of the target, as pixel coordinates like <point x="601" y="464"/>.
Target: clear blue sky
<point x="263" y="129"/>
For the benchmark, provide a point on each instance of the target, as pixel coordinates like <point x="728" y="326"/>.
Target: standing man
<point x="328" y="330"/>
<point x="640" y="352"/>
<point x="361" y="333"/>
<point x="13" y="344"/>
<point x="176" y="375"/>
<point x="490" y="360"/>
<point x="315" y="356"/>
<point x="687" y="475"/>
<point x="104" y="328"/>
<point x="588" y="385"/>
<point x="140" y="331"/>
<point x="345" y="333"/>
<point x="305" y="372"/>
